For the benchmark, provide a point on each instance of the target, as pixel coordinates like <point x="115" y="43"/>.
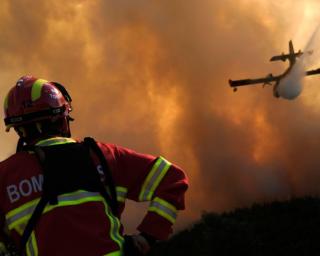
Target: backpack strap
<point x="39" y="207"/>
<point x="32" y="222"/>
<point x="92" y="144"/>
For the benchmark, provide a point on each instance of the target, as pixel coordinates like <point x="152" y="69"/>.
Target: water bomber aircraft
<point x="275" y="80"/>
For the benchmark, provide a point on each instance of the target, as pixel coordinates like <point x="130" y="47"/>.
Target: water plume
<point x="291" y="86"/>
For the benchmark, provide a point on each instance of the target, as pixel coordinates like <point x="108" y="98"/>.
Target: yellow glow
<point x="265" y="139"/>
<point x="311" y="10"/>
<point x="166" y="107"/>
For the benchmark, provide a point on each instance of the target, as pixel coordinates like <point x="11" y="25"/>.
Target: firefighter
<point x="61" y="196"/>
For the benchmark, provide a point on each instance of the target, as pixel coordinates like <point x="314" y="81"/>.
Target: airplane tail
<point x="291" y="49"/>
<point x="291" y="56"/>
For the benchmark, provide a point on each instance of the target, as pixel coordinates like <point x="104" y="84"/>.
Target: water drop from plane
<point x="290" y="87"/>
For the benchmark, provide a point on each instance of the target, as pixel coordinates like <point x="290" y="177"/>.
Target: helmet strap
<point x="67" y="130"/>
<point x="39" y="127"/>
<point x="20" y="145"/>
<point x="22" y="132"/>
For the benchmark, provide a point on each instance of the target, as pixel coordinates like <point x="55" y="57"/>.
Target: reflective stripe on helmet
<point x="6" y="102"/>
<point x="164" y="209"/>
<point x="121" y="193"/>
<point x="36" y="89"/>
<point x="153" y="179"/>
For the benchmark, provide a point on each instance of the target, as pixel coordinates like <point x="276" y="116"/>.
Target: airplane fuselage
<point x="280" y="77"/>
<point x="275" y="80"/>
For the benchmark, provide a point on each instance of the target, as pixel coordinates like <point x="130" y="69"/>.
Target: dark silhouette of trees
<point x="278" y="228"/>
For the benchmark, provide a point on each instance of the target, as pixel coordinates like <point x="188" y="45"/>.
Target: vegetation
<point x="278" y="228"/>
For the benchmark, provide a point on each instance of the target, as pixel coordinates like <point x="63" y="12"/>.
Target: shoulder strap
<point x="20" y="145"/>
<point x="32" y="222"/>
<point x="92" y="144"/>
<point x="37" y="211"/>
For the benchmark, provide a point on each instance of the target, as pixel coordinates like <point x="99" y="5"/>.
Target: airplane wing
<point x="313" y="72"/>
<point x="243" y="82"/>
<point x="282" y="57"/>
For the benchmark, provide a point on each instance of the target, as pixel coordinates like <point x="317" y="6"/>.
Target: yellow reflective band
<point x="116" y="253"/>
<point x="55" y="141"/>
<point x="18" y="215"/>
<point x="164" y="209"/>
<point x="114" y="227"/>
<point x="66" y="200"/>
<point x="17" y="218"/>
<point x="6" y="102"/>
<point x="34" y="243"/>
<point x="165" y="204"/>
<point x="32" y="248"/>
<point x="121" y="194"/>
<point x="19" y="229"/>
<point x="21" y="214"/>
<point x="153" y="179"/>
<point x="36" y="89"/>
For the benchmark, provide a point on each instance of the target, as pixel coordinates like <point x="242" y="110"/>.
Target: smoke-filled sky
<point x="153" y="76"/>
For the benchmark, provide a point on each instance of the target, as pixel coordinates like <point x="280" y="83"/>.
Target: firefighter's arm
<point x="166" y="198"/>
<point x="147" y="178"/>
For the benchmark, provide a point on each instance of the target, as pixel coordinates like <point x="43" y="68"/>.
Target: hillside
<point x="278" y="228"/>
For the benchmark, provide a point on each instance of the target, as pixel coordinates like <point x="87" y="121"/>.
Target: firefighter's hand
<point x="141" y="244"/>
<point x="135" y="245"/>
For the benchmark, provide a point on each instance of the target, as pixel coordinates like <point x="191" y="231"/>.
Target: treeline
<point x="278" y="228"/>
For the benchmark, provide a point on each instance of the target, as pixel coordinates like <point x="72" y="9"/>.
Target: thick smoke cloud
<point x="153" y="76"/>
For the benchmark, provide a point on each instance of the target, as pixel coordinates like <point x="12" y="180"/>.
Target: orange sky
<point x="152" y="76"/>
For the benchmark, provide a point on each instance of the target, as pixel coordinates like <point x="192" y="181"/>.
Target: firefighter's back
<point x="79" y="224"/>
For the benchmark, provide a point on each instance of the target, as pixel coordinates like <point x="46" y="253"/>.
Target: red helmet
<point x="33" y="99"/>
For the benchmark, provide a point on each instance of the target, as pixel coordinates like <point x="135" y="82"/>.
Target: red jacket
<point x="81" y="223"/>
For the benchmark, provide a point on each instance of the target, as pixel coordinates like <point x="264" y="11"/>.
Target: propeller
<point x="267" y="83"/>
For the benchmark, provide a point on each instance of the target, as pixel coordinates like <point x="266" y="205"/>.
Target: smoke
<point x="152" y="76"/>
